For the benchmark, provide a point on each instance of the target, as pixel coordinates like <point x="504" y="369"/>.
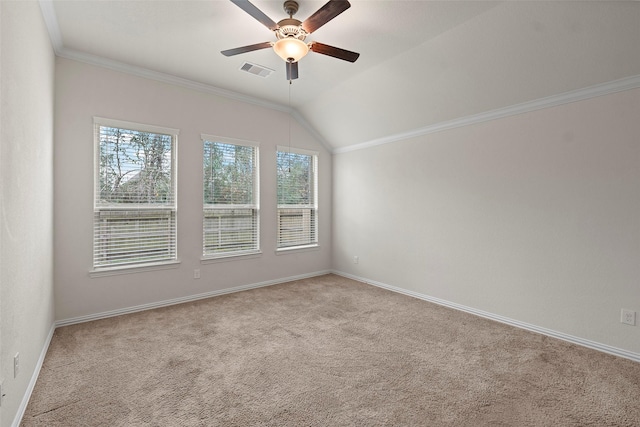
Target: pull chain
<point x="289" y="157"/>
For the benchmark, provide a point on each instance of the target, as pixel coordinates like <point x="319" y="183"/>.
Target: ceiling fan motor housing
<point x="290" y="27"/>
<point x="291" y="33"/>
<point x="290" y="7"/>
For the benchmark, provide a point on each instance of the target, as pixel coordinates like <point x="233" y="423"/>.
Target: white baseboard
<point x="81" y="319"/>
<point x="512" y="322"/>
<point x="189" y="298"/>
<point x="565" y="337"/>
<point x="34" y="377"/>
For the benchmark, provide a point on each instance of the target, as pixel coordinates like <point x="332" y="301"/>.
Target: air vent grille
<point x="258" y="70"/>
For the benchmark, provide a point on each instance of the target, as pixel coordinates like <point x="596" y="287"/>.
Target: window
<point x="231" y="197"/>
<point x="297" y="198"/>
<point x="135" y="194"/>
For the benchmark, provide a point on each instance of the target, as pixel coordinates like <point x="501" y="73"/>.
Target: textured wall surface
<point x="26" y="196"/>
<point x="534" y="217"/>
<point x="84" y="91"/>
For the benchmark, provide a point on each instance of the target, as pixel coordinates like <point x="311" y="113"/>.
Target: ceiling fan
<point x="291" y="33"/>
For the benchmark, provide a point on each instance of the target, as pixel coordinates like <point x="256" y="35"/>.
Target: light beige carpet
<point x="325" y="351"/>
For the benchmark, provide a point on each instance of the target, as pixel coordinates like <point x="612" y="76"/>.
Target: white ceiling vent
<point x="258" y="70"/>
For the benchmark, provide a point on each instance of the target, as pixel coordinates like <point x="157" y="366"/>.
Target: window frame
<point x="314" y="242"/>
<point x="170" y="208"/>
<point x="255" y="205"/>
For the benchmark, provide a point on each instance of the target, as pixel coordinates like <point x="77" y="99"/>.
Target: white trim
<point x="171" y="209"/>
<point x="227" y="140"/>
<point x="233" y="256"/>
<point x="305" y="124"/>
<point x="211" y="208"/>
<point x="34" y="377"/>
<point x="294" y="150"/>
<point x="620" y="85"/>
<point x="71" y="321"/>
<point x="131" y="269"/>
<point x="142" y="127"/>
<point x="82" y="319"/>
<point x="512" y="322"/>
<point x="601" y="89"/>
<point x="188" y="84"/>
<point x="180" y="300"/>
<point x="313" y="207"/>
<point x="122" y="67"/>
<point x="51" y="22"/>
<point x="301" y="248"/>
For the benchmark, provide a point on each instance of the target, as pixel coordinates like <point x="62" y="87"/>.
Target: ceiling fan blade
<point x="325" y="14"/>
<point x="336" y="52"/>
<point x="244" y="49"/>
<point x="256" y="13"/>
<point x="292" y="70"/>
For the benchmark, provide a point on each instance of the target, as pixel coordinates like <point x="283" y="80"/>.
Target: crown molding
<point x="146" y="73"/>
<point x="305" y="124"/>
<point x="620" y="85"/>
<point x="51" y="22"/>
<point x="188" y="84"/>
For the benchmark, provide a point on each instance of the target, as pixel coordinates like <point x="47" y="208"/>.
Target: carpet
<point x="324" y="351"/>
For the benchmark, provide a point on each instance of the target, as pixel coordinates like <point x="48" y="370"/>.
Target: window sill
<point x="131" y="269"/>
<point x="296" y="249"/>
<point x="231" y="257"/>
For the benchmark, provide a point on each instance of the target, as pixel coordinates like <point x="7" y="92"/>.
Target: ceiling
<point x="421" y="62"/>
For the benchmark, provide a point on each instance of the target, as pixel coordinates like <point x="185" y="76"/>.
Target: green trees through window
<point x="135" y="196"/>
<point x="295" y="179"/>
<point x="231" y="214"/>
<point x="135" y="203"/>
<point x="228" y="171"/>
<point x="135" y="167"/>
<point x="297" y="198"/>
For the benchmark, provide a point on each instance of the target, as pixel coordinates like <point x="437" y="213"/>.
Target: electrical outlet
<point x="196" y="273"/>
<point x="628" y="317"/>
<point x="16" y="365"/>
<point x="356" y="259"/>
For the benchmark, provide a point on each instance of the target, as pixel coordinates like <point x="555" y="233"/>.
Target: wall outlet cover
<point x="628" y="317"/>
<point x="16" y="365"/>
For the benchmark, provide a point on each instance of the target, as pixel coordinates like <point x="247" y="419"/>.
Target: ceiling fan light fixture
<point x="291" y="49"/>
<point x="291" y="33"/>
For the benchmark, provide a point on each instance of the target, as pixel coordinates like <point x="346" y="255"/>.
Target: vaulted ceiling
<point x="422" y="62"/>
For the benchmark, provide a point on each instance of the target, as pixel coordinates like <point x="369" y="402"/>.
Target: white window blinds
<point x="297" y="176"/>
<point x="135" y="197"/>
<point x="231" y="197"/>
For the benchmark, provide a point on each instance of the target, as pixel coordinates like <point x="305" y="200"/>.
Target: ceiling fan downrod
<point x="291" y="33"/>
<point x="290" y="7"/>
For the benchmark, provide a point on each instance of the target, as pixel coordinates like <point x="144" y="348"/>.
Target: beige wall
<point x="534" y="217"/>
<point x="84" y="91"/>
<point x="26" y="196"/>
